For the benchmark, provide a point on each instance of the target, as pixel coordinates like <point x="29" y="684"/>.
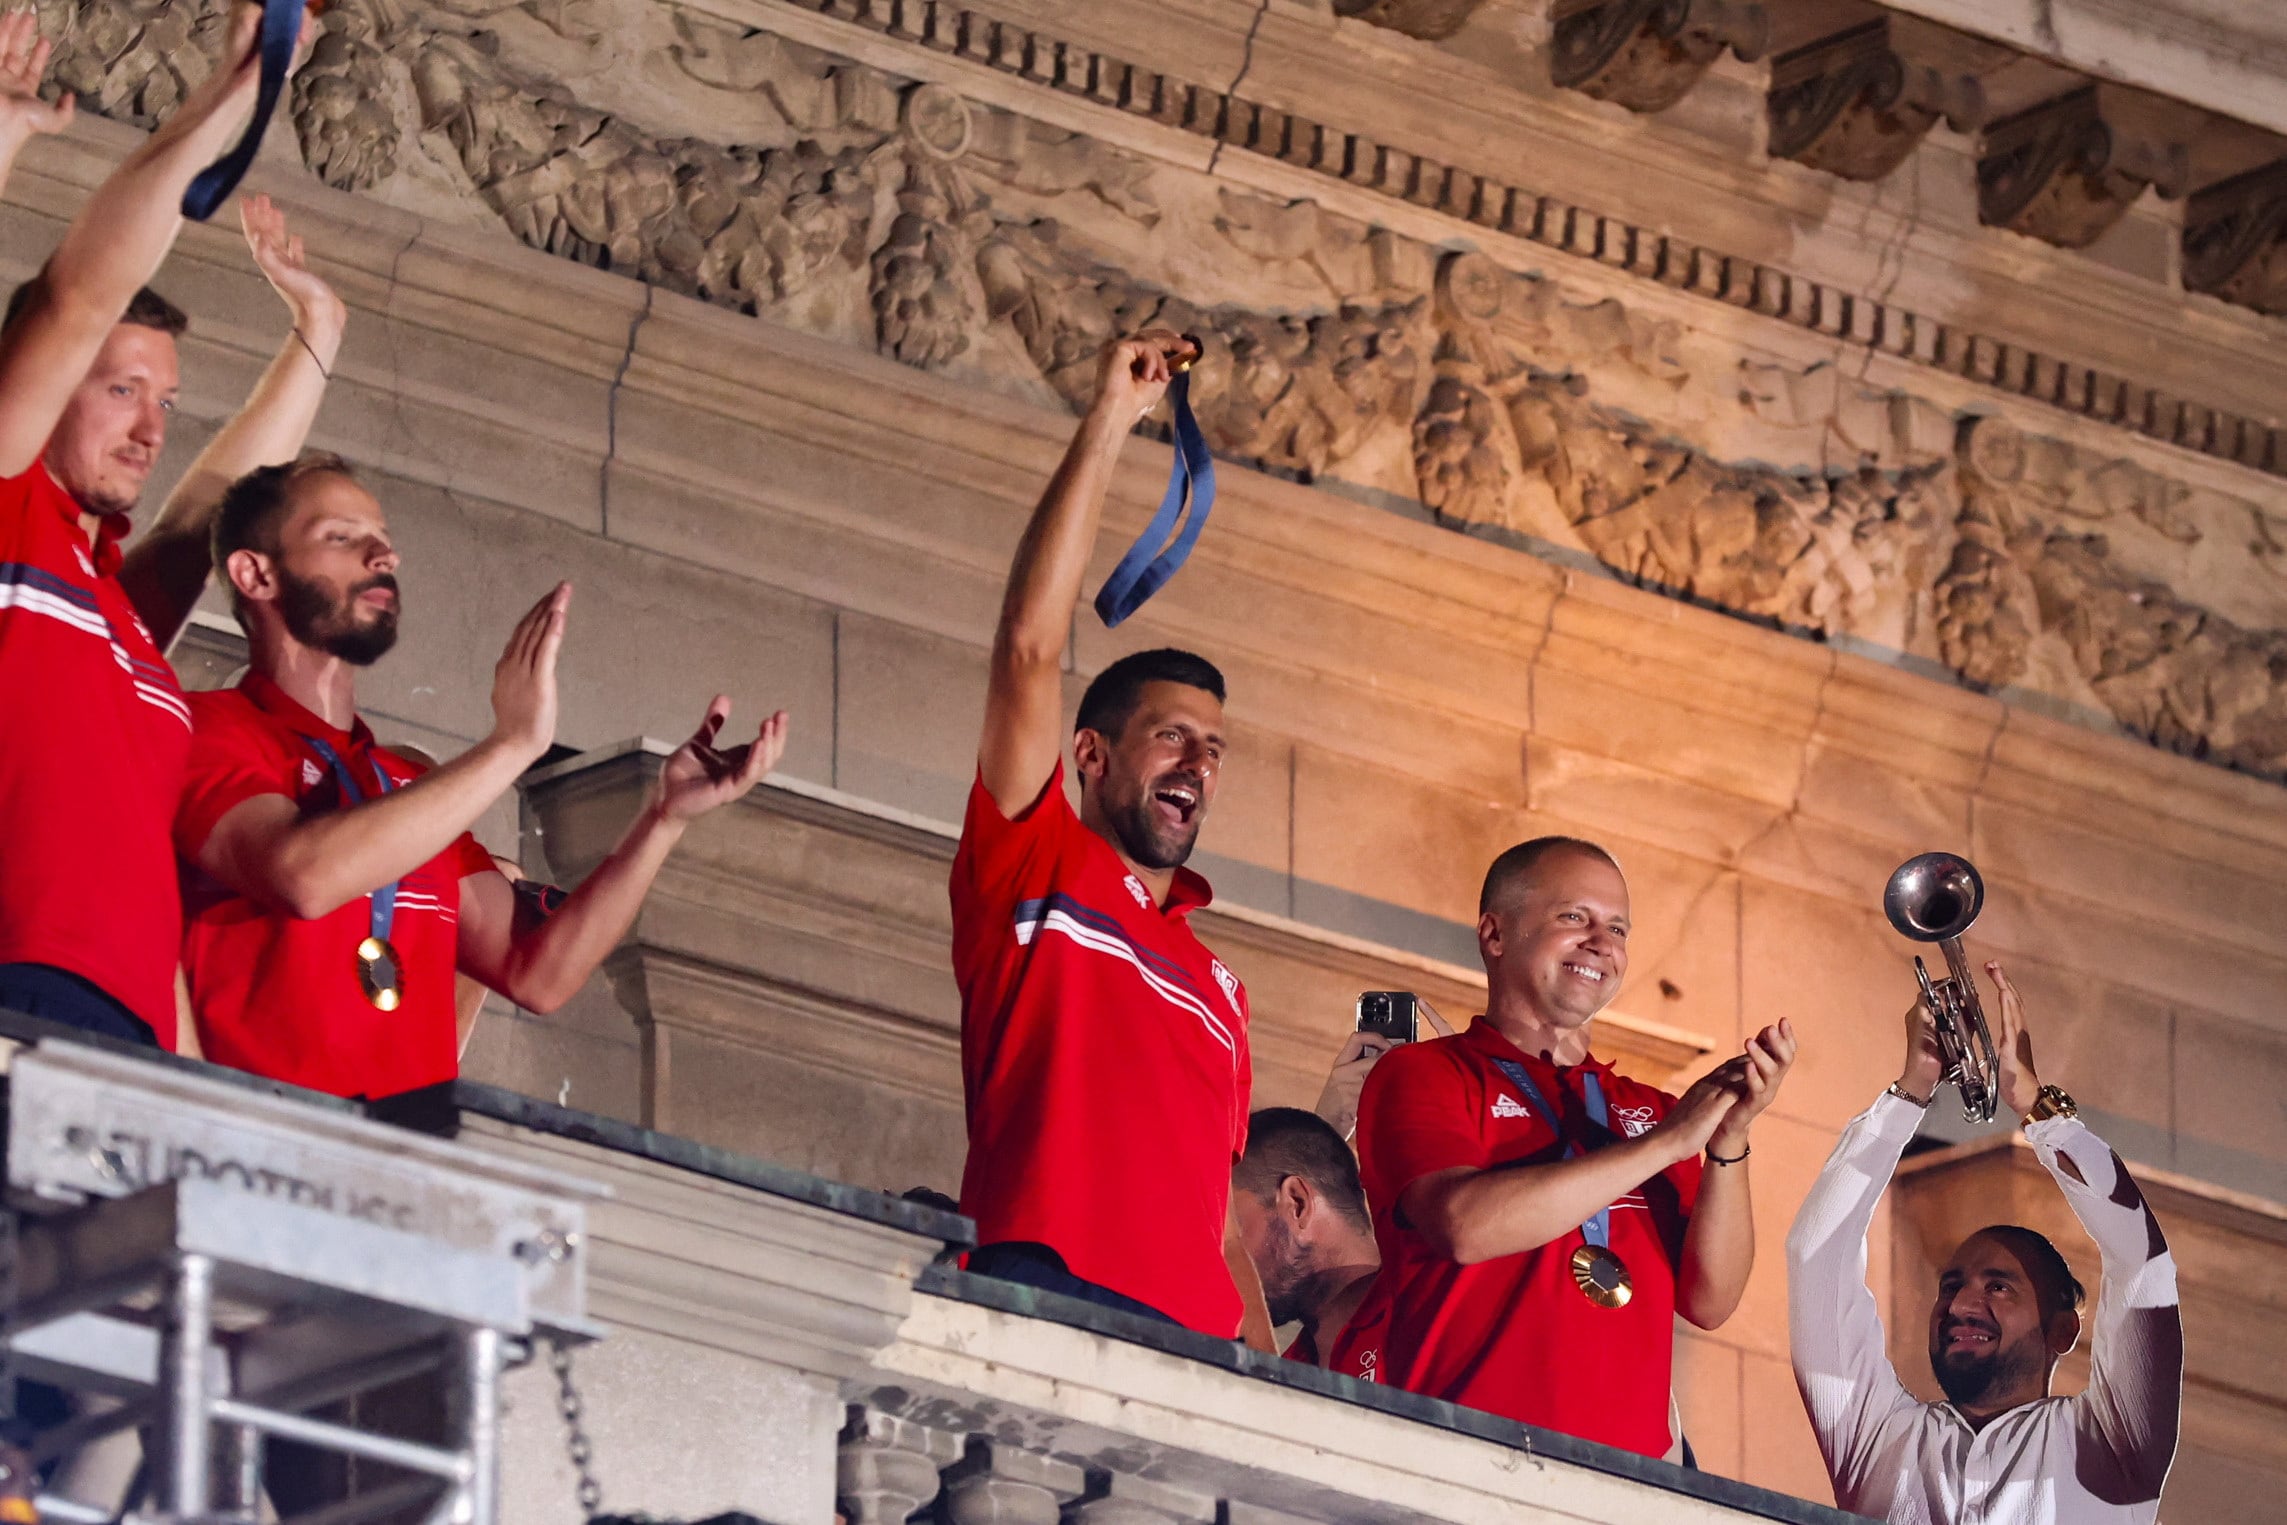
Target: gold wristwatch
<point x="2050" y="1102"/>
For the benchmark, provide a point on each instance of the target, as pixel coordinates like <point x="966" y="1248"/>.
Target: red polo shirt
<point x="279" y="995"/>
<point x="1358" y="1348"/>
<point x="92" y="742"/>
<point x="1514" y="1335"/>
<point x="1104" y="1059"/>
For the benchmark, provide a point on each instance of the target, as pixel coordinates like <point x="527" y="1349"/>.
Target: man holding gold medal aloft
<point x="1542" y="1218"/>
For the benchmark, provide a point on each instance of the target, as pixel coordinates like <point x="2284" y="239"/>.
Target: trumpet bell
<point x="1933" y="897"/>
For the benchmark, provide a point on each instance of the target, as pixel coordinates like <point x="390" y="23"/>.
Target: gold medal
<point x="380" y="973"/>
<point x="1601" y="1276"/>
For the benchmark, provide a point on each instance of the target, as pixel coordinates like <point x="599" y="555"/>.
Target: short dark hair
<point x="1520" y="861"/>
<point x="2055" y="1288"/>
<point x="146" y="309"/>
<point x="253" y="507"/>
<point x="1287" y="1141"/>
<point x="1111" y="699"/>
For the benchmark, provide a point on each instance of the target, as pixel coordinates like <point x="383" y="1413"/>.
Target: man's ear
<point x="2064" y="1331"/>
<point x="1489" y="935"/>
<point x="1295" y="1198"/>
<point x="1091" y="753"/>
<point x="252" y="574"/>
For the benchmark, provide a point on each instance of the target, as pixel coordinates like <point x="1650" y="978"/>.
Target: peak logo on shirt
<point x="1143" y="896"/>
<point x="1505" y="1105"/>
<point x="1229" y="982"/>
<point x="310" y="774"/>
<point x="1634" y="1122"/>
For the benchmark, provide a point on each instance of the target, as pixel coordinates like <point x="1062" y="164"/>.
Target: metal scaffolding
<point x="210" y="1264"/>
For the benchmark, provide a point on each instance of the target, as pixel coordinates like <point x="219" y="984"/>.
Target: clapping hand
<point x="701" y="776"/>
<point x="1756" y="1078"/>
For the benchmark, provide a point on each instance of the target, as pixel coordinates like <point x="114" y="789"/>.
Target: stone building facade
<point x="1768" y="438"/>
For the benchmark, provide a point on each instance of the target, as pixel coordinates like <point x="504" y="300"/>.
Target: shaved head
<point x="1513" y="871"/>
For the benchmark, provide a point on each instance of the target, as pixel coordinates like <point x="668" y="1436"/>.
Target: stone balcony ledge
<point x="798" y="1350"/>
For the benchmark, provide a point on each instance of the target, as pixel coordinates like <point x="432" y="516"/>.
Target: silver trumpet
<point x="1933" y="898"/>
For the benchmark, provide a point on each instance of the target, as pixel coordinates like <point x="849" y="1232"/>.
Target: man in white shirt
<point x="2001" y="1451"/>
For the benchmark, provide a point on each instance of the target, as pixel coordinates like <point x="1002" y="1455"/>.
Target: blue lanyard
<point x="1140" y="573"/>
<point x="1597" y="1230"/>
<point x="384" y="899"/>
<point x="281" y="29"/>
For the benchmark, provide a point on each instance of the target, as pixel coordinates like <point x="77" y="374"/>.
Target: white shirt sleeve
<point x="2129" y="1414"/>
<point x="1841" y="1363"/>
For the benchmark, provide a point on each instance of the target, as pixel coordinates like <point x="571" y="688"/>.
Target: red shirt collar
<point x="274" y="701"/>
<point x="1487" y="1040"/>
<point x="110" y="529"/>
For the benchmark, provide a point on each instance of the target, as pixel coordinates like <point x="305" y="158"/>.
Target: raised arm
<point x="1719" y="1246"/>
<point x="308" y="866"/>
<point x="2131" y="1410"/>
<point x="166" y="570"/>
<point x="1469" y="1215"/>
<point x="115" y="244"/>
<point x="1024" y="703"/>
<point x="1834" y="1329"/>
<point x="23" y="65"/>
<point x="542" y="964"/>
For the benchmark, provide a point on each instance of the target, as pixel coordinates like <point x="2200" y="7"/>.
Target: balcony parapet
<point x="794" y="1349"/>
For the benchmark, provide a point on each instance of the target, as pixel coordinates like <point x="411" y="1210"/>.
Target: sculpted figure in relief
<point x="875" y="195"/>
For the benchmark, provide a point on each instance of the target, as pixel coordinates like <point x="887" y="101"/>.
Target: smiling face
<point x="1556" y="942"/>
<point x="1150" y="787"/>
<point x="112" y="430"/>
<point x="1989" y="1345"/>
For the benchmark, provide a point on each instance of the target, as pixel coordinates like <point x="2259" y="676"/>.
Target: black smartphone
<point x="1391" y="1013"/>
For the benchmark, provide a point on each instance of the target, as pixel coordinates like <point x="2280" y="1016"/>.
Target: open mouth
<point x="1968" y="1337"/>
<point x="1176" y="803"/>
<point x="1588" y="972"/>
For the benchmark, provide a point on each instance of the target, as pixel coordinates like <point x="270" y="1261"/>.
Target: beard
<point x="314" y="617"/>
<point x="1972" y="1379"/>
<point x="1144" y="837"/>
<point x="1282" y="1275"/>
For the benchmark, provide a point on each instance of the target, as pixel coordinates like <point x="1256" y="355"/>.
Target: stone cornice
<point x="2173" y="48"/>
<point x="1473" y="206"/>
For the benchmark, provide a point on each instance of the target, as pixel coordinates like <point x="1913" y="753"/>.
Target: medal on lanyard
<point x="380" y="972"/>
<point x="1154" y="558"/>
<point x="1601" y="1275"/>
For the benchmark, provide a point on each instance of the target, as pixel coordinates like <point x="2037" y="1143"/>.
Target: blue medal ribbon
<point x="1597" y="1230"/>
<point x="1144" y="570"/>
<point x="281" y="29"/>
<point x="384" y="899"/>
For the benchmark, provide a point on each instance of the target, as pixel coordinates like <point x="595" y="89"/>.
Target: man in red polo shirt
<point x="1103" y="1049"/>
<point x="1303" y="1218"/>
<point x="1542" y="1219"/>
<point x="332" y="887"/>
<point x="92" y="750"/>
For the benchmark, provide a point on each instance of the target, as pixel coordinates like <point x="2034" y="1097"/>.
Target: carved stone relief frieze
<point x="952" y="235"/>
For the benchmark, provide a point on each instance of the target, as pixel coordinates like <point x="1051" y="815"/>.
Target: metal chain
<point x="7" y="1313"/>
<point x="576" y="1444"/>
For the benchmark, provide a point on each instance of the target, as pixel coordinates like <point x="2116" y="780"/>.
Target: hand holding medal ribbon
<point x="1155" y="558"/>
<point x="280" y="40"/>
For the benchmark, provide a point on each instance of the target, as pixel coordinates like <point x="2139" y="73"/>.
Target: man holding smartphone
<point x="1542" y="1218"/>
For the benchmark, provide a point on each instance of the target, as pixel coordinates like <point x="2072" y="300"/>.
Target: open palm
<point x="23" y="66"/>
<point x="701" y="776"/>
